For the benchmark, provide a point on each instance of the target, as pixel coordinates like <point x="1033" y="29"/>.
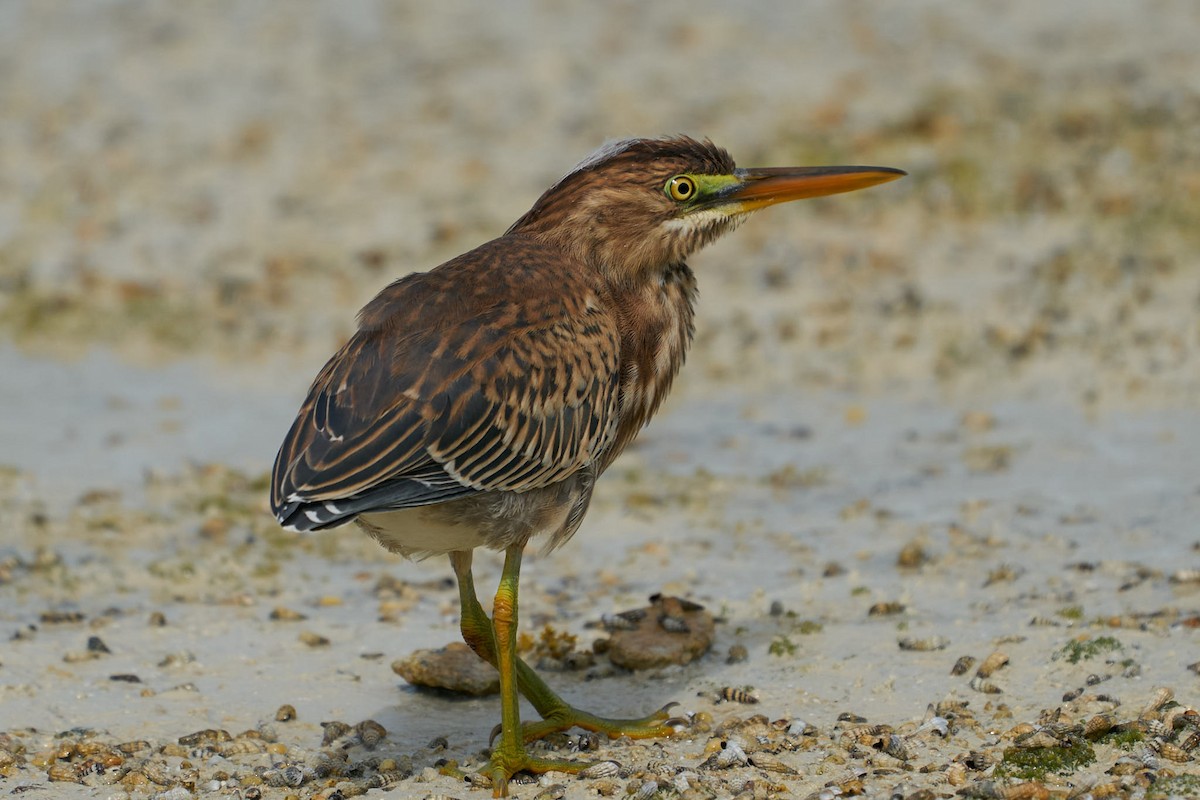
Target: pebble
<point x="454" y="668"/>
<point x="648" y="645"/>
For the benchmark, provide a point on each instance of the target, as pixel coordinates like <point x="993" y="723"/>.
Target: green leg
<point x="557" y="714"/>
<point x="509" y="755"/>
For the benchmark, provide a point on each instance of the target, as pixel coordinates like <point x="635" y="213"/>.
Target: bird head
<point x="637" y="206"/>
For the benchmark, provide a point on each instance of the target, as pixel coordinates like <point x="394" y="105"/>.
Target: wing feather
<point x="459" y="380"/>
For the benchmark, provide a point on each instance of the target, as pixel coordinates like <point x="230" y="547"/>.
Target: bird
<point x="478" y="402"/>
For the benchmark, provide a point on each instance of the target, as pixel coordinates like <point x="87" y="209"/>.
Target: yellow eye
<point x="681" y="188"/>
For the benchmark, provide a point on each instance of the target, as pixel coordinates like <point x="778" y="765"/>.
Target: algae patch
<point x="1034" y="763"/>
<point x="1078" y="650"/>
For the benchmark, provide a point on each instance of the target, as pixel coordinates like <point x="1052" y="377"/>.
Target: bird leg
<point x="509" y="756"/>
<point x="557" y="714"/>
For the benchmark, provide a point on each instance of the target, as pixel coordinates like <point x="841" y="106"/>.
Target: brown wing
<point x="496" y="371"/>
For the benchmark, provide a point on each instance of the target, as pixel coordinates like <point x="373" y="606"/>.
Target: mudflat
<point x="933" y="465"/>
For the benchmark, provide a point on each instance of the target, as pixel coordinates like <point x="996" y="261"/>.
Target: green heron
<point x="479" y="402"/>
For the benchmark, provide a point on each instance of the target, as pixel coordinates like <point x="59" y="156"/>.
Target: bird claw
<point x="665" y="710"/>
<point x="658" y="724"/>
<point x="505" y="764"/>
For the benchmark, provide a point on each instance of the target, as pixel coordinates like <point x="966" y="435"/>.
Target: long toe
<point x="504" y="764"/>
<point x="658" y="725"/>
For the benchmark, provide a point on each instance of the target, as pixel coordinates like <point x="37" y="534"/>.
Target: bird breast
<point x="657" y="325"/>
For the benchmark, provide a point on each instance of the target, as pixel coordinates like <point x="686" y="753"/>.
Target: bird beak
<point x="759" y="188"/>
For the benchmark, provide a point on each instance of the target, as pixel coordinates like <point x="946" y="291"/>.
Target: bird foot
<point x="658" y="725"/>
<point x="505" y="763"/>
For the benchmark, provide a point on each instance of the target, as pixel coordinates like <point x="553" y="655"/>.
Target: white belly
<point x="420" y="532"/>
<point x="495" y="520"/>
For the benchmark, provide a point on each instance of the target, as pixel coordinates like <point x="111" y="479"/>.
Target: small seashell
<point x="1037" y="738"/>
<point x="294" y="775"/>
<point x="370" y="733"/>
<point x="939" y="725"/>
<point x="866" y="735"/>
<point x="1146" y="756"/>
<point x="156" y="773"/>
<point x="286" y="713"/>
<point x="385" y="779"/>
<point x="1098" y="725"/>
<point x="324" y="764"/>
<point x="1185" y="576"/>
<point x="1105" y="789"/>
<point x="334" y="730"/>
<point x="962" y="665"/>
<point x="1151" y="727"/>
<point x="647" y="790"/>
<point x="1173" y="752"/>
<point x="241" y="746"/>
<point x="1162" y="695"/>
<point x="555" y="791"/>
<point x="978" y="760"/>
<point x="1030" y="790"/>
<point x="895" y="747"/>
<point x="925" y="644"/>
<point x="683" y="781"/>
<point x="956" y="774"/>
<point x="601" y="769"/>
<point x="769" y="763"/>
<point x="731" y="753"/>
<point x="623" y="621"/>
<point x="885" y="608"/>
<point x="732" y="694"/>
<point x="993" y="790"/>
<point x="1180" y="715"/>
<point x="990" y="664"/>
<point x="985" y="686"/>
<point x="951" y="707"/>
<point x="797" y="727"/>
<point x="63" y="772"/>
<point x="282" y="614"/>
<point x="175" y="793"/>
<point x="208" y="736"/>
<point x="313" y="639"/>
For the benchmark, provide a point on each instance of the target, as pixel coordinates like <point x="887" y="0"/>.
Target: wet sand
<point x="970" y="395"/>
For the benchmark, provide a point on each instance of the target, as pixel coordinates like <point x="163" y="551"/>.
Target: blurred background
<point x="195" y="198"/>
<point x="968" y="395"/>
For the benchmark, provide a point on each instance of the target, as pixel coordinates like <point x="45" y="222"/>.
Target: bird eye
<point x="681" y="188"/>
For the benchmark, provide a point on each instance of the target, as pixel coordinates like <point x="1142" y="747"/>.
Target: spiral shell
<point x="334" y="730"/>
<point x="601" y="769"/>
<point x="1162" y="695"/>
<point x="1098" y="725"/>
<point x="242" y="746"/>
<point x="769" y="763"/>
<point x="370" y="733"/>
<point x="990" y="664"/>
<point x="984" y="686"/>
<point x="962" y="665"/>
<point x="732" y="694"/>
